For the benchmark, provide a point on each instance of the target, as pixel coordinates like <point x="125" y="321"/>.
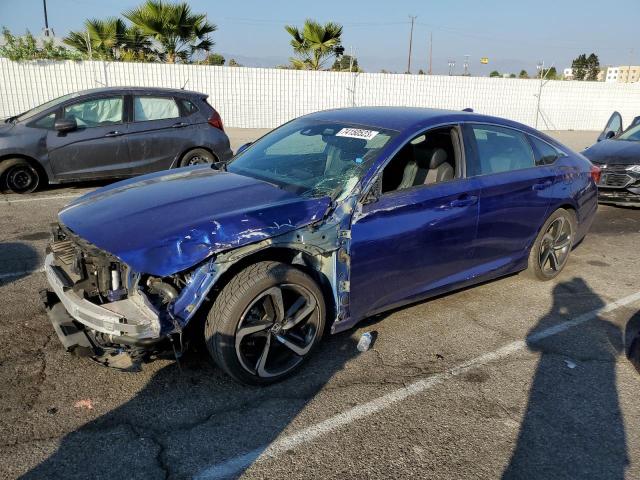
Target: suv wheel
<point x="265" y="323"/>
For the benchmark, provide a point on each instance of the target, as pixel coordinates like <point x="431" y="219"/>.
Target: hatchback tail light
<point x="216" y="121"/>
<point x="595" y="173"/>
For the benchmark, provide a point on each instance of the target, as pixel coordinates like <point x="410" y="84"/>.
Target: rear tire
<point x="552" y="247"/>
<point x="265" y="323"/>
<point x="197" y="156"/>
<point x="18" y="176"/>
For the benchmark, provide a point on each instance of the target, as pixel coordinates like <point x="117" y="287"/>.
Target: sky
<point x="513" y="34"/>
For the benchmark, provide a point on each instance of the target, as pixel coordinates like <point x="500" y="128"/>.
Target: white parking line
<point x="235" y="465"/>
<point x="23" y="273"/>
<point x="36" y="199"/>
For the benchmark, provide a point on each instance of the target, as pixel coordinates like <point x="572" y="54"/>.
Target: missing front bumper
<point x="131" y="317"/>
<point x="124" y="353"/>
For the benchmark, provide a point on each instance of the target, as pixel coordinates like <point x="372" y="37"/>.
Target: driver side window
<point x="431" y="157"/>
<point x="95" y="112"/>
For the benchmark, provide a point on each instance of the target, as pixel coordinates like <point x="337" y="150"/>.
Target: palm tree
<point x="110" y="39"/>
<point x="136" y="46"/>
<point x="179" y="32"/>
<point x="314" y="44"/>
<point x="101" y="38"/>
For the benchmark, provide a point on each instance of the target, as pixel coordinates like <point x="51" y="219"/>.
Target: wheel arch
<point x="44" y="176"/>
<point x="285" y="254"/>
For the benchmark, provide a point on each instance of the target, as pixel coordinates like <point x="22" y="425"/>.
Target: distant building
<point x="623" y="74"/>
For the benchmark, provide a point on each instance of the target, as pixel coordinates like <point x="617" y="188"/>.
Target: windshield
<point x="633" y="134"/>
<point x="313" y="158"/>
<point x="45" y="106"/>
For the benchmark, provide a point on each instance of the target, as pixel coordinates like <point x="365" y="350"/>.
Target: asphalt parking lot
<point x="514" y="378"/>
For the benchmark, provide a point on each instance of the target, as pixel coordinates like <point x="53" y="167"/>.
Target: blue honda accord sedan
<point x="329" y="219"/>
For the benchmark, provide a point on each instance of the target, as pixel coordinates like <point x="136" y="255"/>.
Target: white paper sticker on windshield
<point x="357" y="133"/>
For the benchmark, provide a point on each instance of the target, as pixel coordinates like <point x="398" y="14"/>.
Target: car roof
<point x="408" y="118"/>
<point x="94" y="91"/>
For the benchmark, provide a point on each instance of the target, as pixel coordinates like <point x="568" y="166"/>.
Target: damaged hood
<point x="166" y="222"/>
<point x="614" y="152"/>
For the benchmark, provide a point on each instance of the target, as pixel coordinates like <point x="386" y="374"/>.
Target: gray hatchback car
<point x="106" y="133"/>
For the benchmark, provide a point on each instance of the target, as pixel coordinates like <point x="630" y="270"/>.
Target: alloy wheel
<point x="277" y="330"/>
<point x="555" y="246"/>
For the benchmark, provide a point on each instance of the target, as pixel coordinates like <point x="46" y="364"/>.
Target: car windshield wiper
<point x="10" y="119"/>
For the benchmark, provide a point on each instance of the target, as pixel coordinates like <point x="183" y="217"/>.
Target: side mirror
<point x="242" y="148"/>
<point x="64" y="125"/>
<point x="609" y="134"/>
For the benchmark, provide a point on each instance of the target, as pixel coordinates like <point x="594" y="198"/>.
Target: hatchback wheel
<point x="265" y="322"/>
<point x="552" y="247"/>
<point x="18" y="176"/>
<point x="197" y="156"/>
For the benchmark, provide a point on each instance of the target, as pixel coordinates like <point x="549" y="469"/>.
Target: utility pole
<point x="47" y="32"/>
<point x="430" y="51"/>
<point x="413" y="19"/>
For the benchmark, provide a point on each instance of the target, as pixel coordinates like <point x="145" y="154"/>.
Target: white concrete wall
<point x="265" y="98"/>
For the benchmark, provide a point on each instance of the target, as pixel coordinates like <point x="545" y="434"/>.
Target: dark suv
<point x="109" y="133"/>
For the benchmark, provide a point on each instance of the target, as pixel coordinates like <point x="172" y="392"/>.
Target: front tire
<point x="265" y="323"/>
<point x="18" y="176"/>
<point x="552" y="247"/>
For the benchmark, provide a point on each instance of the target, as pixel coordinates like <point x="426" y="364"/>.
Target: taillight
<point x="595" y="173"/>
<point x="216" y="121"/>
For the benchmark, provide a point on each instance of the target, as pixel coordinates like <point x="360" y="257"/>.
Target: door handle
<point x="179" y="125"/>
<point x="465" y="201"/>
<point x="115" y="133"/>
<point x="542" y="185"/>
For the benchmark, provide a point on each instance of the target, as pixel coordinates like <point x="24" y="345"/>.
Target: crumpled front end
<point x="97" y="305"/>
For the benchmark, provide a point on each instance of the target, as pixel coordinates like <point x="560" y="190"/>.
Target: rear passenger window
<point x="154" y="108"/>
<point x="499" y="150"/>
<point x="545" y="153"/>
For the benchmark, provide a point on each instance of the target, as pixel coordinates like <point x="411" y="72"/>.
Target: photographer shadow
<point x="573" y="425"/>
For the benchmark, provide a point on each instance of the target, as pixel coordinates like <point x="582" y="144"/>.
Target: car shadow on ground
<point x="17" y="260"/>
<point x="572" y="426"/>
<point x="190" y="419"/>
<point x="192" y="416"/>
<point x="71" y="187"/>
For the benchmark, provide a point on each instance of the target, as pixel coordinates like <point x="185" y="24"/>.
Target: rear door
<point x="612" y="128"/>
<point x="159" y="132"/>
<point x="515" y="193"/>
<point x="96" y="149"/>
